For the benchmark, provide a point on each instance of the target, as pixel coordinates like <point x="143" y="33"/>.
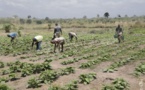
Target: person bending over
<point x="72" y="35"/>
<point x="12" y="35"/>
<point x="37" y="40"/>
<point x="58" y="42"/>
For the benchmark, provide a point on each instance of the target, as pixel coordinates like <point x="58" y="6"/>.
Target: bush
<point x="7" y="28"/>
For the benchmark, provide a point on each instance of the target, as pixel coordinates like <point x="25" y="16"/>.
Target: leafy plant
<point x="14" y="68"/>
<point x="120" y="84"/>
<point x="108" y="87"/>
<point x="87" y="78"/>
<point x="117" y="84"/>
<point x="4" y="87"/>
<point x="37" y="68"/>
<point x="12" y="76"/>
<point x="3" y="79"/>
<point x="48" y="76"/>
<point x="46" y="65"/>
<point x="140" y="69"/>
<point x="67" y="71"/>
<point x="4" y="72"/>
<point x="2" y="65"/>
<point x="54" y="87"/>
<point x="27" y="71"/>
<point x="33" y="83"/>
<point x="72" y="86"/>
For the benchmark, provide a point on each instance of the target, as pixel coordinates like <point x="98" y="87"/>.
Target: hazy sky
<point x="70" y="8"/>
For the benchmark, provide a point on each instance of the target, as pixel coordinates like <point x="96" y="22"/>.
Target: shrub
<point x="7" y="28"/>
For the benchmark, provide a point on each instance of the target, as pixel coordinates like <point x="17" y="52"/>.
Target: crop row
<point x="117" y="84"/>
<point x="83" y="79"/>
<point x="133" y="57"/>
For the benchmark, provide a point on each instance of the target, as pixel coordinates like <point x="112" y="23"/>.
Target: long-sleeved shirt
<point x="13" y="34"/>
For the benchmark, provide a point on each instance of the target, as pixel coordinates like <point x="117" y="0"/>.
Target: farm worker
<point x="37" y="41"/>
<point x="71" y="35"/>
<point x="57" y="31"/>
<point x="12" y="35"/>
<point x="58" y="42"/>
<point x="119" y="33"/>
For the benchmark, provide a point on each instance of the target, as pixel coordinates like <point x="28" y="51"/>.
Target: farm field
<point x="95" y="62"/>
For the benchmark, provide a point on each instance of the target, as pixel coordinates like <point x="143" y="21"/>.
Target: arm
<point x="54" y="31"/>
<point x="32" y="43"/>
<point x="60" y="30"/>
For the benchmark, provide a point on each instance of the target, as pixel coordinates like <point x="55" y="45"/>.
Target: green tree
<point x="29" y="21"/>
<point x="22" y="21"/>
<point x="29" y="16"/>
<point x="106" y="14"/>
<point x="84" y="17"/>
<point x="119" y="16"/>
<point x="46" y="18"/>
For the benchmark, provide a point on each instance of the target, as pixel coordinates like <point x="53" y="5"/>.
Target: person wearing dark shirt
<point x="119" y="33"/>
<point x="57" y="31"/>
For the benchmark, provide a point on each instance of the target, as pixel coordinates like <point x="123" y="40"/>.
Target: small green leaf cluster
<point x="117" y="84"/>
<point x="33" y="83"/>
<point x="2" y="65"/>
<point x="87" y="78"/>
<point x="67" y="71"/>
<point x="140" y="69"/>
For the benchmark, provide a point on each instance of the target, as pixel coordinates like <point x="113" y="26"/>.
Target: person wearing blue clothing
<point x="57" y="31"/>
<point x="12" y="35"/>
<point x="37" y="40"/>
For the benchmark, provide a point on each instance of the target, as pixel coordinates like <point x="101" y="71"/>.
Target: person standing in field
<point x="119" y="33"/>
<point x="12" y="35"/>
<point x="37" y="40"/>
<point x="57" y="31"/>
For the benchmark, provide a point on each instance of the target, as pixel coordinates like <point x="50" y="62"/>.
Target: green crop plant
<point x="2" y="65"/>
<point x="140" y="69"/>
<point x="87" y="78"/>
<point x="4" y="72"/>
<point x="108" y="87"/>
<point x="117" y="84"/>
<point x="55" y="87"/>
<point x="48" y="60"/>
<point x="71" y="86"/>
<point x="4" y="87"/>
<point x="67" y="70"/>
<point x="12" y="76"/>
<point x="14" y="68"/>
<point x="26" y="71"/>
<point x="48" y="76"/>
<point x="37" y="68"/>
<point x="46" y="66"/>
<point x="120" y="84"/>
<point x="4" y="79"/>
<point x="33" y="83"/>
